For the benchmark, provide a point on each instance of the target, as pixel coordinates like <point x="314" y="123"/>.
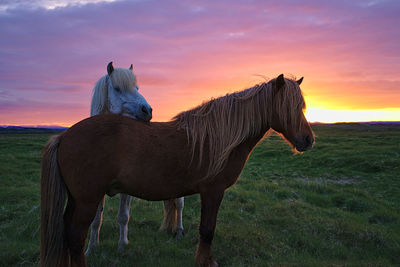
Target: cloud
<point x="7" y="5"/>
<point x="185" y="52"/>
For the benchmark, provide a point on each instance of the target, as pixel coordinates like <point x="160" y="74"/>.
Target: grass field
<point x="336" y="205"/>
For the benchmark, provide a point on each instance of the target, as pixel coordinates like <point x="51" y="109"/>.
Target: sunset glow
<point x="330" y="116"/>
<point x="185" y="52"/>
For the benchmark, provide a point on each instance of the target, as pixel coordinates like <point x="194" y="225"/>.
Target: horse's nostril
<point x="151" y="110"/>
<point x="309" y="139"/>
<point x="144" y="110"/>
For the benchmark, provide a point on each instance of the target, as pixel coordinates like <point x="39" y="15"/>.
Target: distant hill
<point x="355" y="123"/>
<point x="363" y="126"/>
<point x="39" y="129"/>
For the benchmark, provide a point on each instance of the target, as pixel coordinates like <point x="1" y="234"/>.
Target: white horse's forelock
<point x="124" y="79"/>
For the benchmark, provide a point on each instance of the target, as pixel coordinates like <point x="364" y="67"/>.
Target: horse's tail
<point x="53" y="248"/>
<point x="170" y="216"/>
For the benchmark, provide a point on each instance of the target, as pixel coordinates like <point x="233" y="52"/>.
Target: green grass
<point x="336" y="205"/>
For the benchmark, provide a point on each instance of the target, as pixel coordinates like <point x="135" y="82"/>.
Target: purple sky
<point x="185" y="52"/>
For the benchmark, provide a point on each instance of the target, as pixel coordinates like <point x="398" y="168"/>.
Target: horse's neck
<point x="247" y="146"/>
<point x="250" y="143"/>
<point x="237" y="160"/>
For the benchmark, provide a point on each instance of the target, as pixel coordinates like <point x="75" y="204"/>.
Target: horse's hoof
<point x="122" y="246"/>
<point x="213" y="263"/>
<point x="89" y="250"/>
<point x="210" y="263"/>
<point x="179" y="234"/>
<point x="121" y="249"/>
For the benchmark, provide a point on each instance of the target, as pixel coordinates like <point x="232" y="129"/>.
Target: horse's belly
<point x="154" y="186"/>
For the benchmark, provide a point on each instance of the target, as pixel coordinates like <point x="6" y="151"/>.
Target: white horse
<point x="117" y="92"/>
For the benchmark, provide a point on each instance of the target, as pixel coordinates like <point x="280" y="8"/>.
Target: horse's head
<point x="288" y="113"/>
<point x="123" y="95"/>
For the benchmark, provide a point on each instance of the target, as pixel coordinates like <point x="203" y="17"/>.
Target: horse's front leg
<point x="179" y="204"/>
<point x="123" y="219"/>
<point x="210" y="202"/>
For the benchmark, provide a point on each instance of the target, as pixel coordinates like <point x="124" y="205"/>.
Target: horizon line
<point x="55" y="126"/>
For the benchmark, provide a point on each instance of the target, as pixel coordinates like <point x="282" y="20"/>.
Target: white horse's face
<point x="129" y="103"/>
<point x="124" y="98"/>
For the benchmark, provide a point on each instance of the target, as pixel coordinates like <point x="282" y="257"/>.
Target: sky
<point x="186" y="52"/>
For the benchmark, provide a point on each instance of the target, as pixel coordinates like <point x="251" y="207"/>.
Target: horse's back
<point x="103" y="131"/>
<point x="129" y="156"/>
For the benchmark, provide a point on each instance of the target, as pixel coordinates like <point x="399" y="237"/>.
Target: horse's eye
<point x="137" y="88"/>
<point x="117" y="89"/>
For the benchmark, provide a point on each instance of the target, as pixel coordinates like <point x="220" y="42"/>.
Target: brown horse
<point x="202" y="150"/>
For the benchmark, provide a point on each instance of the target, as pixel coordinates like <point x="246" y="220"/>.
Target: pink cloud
<point x="185" y="53"/>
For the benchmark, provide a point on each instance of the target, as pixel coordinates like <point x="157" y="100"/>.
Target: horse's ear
<point x="280" y="82"/>
<point x="299" y="80"/>
<point x="131" y="67"/>
<point x="110" y="68"/>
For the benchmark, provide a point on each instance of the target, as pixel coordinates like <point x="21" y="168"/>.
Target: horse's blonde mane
<point x="225" y="122"/>
<point x="125" y="79"/>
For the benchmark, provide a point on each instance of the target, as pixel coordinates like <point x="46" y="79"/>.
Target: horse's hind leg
<point x="95" y="227"/>
<point x="77" y="218"/>
<point x="179" y="204"/>
<point x="169" y="220"/>
<point x="123" y="219"/>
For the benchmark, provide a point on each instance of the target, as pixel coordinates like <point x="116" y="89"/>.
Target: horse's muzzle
<point x="147" y="114"/>
<point x="304" y="143"/>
